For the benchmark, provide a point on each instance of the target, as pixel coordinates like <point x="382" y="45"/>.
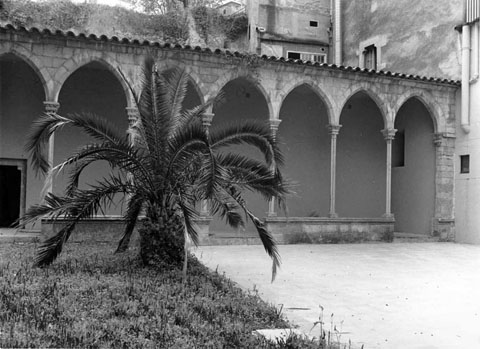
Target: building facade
<point x="374" y="144"/>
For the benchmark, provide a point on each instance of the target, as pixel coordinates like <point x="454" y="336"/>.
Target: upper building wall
<point x="299" y="20"/>
<point x="410" y="37"/>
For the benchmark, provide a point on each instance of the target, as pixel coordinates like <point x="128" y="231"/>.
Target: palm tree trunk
<point x="162" y="239"/>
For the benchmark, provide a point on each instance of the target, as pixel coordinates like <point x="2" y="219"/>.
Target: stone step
<point x="14" y="235"/>
<point x="216" y="239"/>
<point x="409" y="237"/>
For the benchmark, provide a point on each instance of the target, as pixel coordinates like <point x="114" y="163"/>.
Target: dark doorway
<point x="10" y="181"/>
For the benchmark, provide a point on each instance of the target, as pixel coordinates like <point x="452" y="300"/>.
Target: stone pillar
<point x="443" y="222"/>
<point x="207" y="119"/>
<point x="274" y="124"/>
<point x="133" y="115"/>
<point x="50" y="108"/>
<point x="333" y="130"/>
<point x="389" y="135"/>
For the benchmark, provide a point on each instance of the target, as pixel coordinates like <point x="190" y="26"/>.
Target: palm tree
<point x="173" y="163"/>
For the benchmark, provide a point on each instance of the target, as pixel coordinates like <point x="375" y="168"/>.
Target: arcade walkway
<point x="400" y="295"/>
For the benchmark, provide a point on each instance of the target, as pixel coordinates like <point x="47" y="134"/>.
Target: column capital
<point x="51" y="107"/>
<point x="389" y="133"/>
<point x="274" y="124"/>
<point x="207" y="119"/>
<point x="133" y="114"/>
<point x="333" y="130"/>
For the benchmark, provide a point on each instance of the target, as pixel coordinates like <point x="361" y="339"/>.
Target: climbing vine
<point x="208" y="20"/>
<point x="115" y="21"/>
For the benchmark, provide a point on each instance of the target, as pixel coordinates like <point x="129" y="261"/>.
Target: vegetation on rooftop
<point x="160" y="22"/>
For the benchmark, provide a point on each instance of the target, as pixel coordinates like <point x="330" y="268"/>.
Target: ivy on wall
<point x="208" y="21"/>
<point x="116" y="21"/>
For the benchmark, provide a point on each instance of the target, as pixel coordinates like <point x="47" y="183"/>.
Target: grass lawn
<point x="92" y="298"/>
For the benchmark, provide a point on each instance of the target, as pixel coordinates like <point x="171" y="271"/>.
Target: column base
<point x="332" y="215"/>
<point x="388" y="215"/>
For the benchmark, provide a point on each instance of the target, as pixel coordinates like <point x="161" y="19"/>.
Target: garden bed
<point x="91" y="297"/>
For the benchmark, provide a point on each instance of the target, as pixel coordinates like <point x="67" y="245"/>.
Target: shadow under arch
<point x="375" y="98"/>
<point x="305" y="142"/>
<point x="225" y="80"/>
<point x="426" y="101"/>
<point x="100" y="63"/>
<point x="361" y="158"/>
<point x="317" y="91"/>
<point x="241" y="100"/>
<point x="413" y="168"/>
<point x="91" y="89"/>
<point x="17" y="55"/>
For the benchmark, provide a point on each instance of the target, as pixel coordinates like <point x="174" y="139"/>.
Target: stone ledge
<point x="291" y="230"/>
<point x="313" y="230"/>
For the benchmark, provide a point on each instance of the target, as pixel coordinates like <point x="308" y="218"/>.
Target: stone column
<point x="133" y="115"/>
<point x="50" y="108"/>
<point x="389" y="135"/>
<point x="333" y="130"/>
<point x="207" y="119"/>
<point x="274" y="124"/>
<point x="443" y="222"/>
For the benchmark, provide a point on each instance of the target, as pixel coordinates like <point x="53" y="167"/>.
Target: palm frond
<point x="176" y="86"/>
<point x="265" y="236"/>
<point x="52" y="206"/>
<point x="39" y="135"/>
<point x="49" y="250"/>
<point x="189" y="216"/>
<point x="134" y="207"/>
<point x="253" y="175"/>
<point x="96" y="127"/>
<point x="251" y="133"/>
<point x="121" y="156"/>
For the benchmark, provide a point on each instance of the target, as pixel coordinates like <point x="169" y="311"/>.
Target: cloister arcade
<point x="369" y="151"/>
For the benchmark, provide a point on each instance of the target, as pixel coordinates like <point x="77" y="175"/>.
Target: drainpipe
<point x="465" y="113"/>
<point x="338" y="33"/>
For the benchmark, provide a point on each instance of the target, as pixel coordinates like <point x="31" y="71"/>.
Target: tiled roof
<point x="227" y="53"/>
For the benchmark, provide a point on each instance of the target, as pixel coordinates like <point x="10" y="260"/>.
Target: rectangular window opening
<point x="464" y="163"/>
<point x="308" y="56"/>
<point x="370" y="57"/>
<point x="314" y="24"/>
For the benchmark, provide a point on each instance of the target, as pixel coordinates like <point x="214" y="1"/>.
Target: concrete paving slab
<point x="400" y="295"/>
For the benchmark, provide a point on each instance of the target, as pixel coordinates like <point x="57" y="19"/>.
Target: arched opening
<point x="361" y="164"/>
<point x="413" y="169"/>
<point x="21" y="101"/>
<point x="241" y="100"/>
<point x="90" y="89"/>
<point x="305" y="143"/>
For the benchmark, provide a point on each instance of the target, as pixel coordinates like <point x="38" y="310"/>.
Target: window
<point x="464" y="163"/>
<point x="370" y="57"/>
<point x="307" y="56"/>
<point x="398" y="149"/>
<point x="314" y="24"/>
<point x="293" y="55"/>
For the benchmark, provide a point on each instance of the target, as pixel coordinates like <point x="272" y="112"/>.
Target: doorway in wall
<point x="12" y="191"/>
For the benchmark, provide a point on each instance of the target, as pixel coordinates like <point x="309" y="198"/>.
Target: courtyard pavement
<point x="397" y="295"/>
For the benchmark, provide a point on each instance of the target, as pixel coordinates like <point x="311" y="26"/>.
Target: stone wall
<point x="411" y="37"/>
